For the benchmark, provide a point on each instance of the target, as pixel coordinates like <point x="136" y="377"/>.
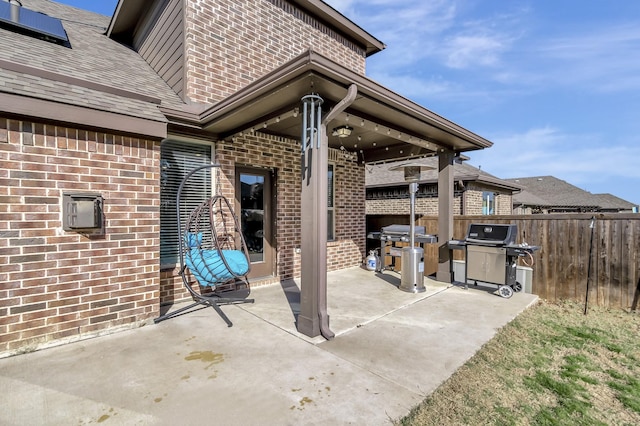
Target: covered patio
<point x="325" y="105"/>
<point x="391" y="349"/>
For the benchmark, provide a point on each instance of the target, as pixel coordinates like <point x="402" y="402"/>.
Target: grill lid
<point x="492" y="234"/>
<point x="401" y="230"/>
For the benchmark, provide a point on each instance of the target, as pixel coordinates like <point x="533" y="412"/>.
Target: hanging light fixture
<point x="342" y="131"/>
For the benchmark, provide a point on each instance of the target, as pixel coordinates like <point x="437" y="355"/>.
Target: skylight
<point x="20" y="19"/>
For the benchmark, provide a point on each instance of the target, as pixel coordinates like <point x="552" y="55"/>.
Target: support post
<point x="445" y="214"/>
<point x="313" y="319"/>
<point x="313" y="249"/>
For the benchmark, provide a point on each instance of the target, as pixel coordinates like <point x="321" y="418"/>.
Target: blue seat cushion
<point x="209" y="268"/>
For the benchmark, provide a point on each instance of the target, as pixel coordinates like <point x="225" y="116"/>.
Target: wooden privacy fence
<point x="562" y="263"/>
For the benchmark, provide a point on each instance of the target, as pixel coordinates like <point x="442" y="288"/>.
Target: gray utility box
<point x="81" y="211"/>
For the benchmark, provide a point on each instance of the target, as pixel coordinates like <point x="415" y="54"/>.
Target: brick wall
<point x="282" y="156"/>
<point x="348" y="249"/>
<point x="472" y="200"/>
<point x="56" y="285"/>
<point x="424" y="206"/>
<point x="230" y="44"/>
<point x="504" y="204"/>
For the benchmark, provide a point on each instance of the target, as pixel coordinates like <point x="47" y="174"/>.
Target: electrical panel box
<point x="81" y="211"/>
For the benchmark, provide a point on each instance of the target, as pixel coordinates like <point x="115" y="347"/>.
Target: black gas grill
<point x="391" y="234"/>
<point x="491" y="255"/>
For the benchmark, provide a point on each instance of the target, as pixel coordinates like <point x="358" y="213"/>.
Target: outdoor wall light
<point x="342" y="131"/>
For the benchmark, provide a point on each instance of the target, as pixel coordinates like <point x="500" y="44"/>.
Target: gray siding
<point x="161" y="42"/>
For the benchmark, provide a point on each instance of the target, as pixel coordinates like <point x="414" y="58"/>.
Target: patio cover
<point x="388" y="125"/>
<point x="385" y="126"/>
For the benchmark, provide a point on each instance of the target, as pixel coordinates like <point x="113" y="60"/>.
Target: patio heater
<point x="412" y="274"/>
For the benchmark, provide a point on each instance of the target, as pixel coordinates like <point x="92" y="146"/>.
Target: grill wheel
<point x="505" y="291"/>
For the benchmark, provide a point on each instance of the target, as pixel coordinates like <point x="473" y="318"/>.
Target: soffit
<point x="385" y="125"/>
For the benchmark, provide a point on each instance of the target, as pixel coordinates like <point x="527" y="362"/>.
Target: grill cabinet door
<point x="486" y="264"/>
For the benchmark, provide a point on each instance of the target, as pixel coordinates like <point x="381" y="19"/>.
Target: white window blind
<point x="177" y="159"/>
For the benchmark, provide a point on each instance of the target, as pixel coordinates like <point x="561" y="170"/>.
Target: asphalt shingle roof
<point x="554" y="191"/>
<point x="609" y="201"/>
<point x="380" y="174"/>
<point x="93" y="58"/>
<point x="549" y="191"/>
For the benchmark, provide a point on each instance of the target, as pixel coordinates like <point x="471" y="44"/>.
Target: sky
<point x="555" y="85"/>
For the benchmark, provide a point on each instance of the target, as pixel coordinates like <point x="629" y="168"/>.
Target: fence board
<point x="630" y="248"/>
<point x="581" y="260"/>
<point x="615" y="289"/>
<point x="603" y="245"/>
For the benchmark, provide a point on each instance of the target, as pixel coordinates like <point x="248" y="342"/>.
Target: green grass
<point x="551" y="366"/>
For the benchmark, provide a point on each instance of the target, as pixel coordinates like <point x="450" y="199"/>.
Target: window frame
<point x="331" y="202"/>
<point x="169" y="256"/>
<point x="488" y="203"/>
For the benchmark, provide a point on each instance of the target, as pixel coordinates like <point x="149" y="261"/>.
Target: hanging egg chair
<point x="213" y="251"/>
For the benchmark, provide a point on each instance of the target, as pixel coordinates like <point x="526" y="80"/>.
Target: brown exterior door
<point x="254" y="205"/>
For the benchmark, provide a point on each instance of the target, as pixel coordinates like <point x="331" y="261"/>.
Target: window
<point x="488" y="203"/>
<point x="177" y="159"/>
<point x="331" y="222"/>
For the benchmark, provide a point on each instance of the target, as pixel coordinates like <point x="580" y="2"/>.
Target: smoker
<point x="491" y="255"/>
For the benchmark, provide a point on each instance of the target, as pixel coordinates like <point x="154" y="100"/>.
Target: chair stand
<point x="214" y="301"/>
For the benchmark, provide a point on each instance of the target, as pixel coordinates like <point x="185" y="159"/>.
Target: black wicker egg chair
<point x="213" y="251"/>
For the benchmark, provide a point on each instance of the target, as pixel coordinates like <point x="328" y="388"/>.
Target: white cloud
<point x="424" y="37"/>
<point x="464" y="51"/>
<point x="410" y="28"/>
<point x="414" y="86"/>
<point x="507" y="65"/>
<point x="580" y="159"/>
<point x="603" y="58"/>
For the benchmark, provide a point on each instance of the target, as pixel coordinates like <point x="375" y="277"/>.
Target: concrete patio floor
<point x="390" y="351"/>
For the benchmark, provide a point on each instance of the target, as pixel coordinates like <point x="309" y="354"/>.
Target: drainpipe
<point x="322" y="194"/>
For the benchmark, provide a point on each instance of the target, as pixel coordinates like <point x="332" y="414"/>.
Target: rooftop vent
<point x="26" y="21"/>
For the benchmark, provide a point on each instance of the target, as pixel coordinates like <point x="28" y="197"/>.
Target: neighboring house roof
<point x="95" y="73"/>
<point x="551" y="192"/>
<point x="382" y="175"/>
<point x="527" y="198"/>
<point x="609" y="201"/>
